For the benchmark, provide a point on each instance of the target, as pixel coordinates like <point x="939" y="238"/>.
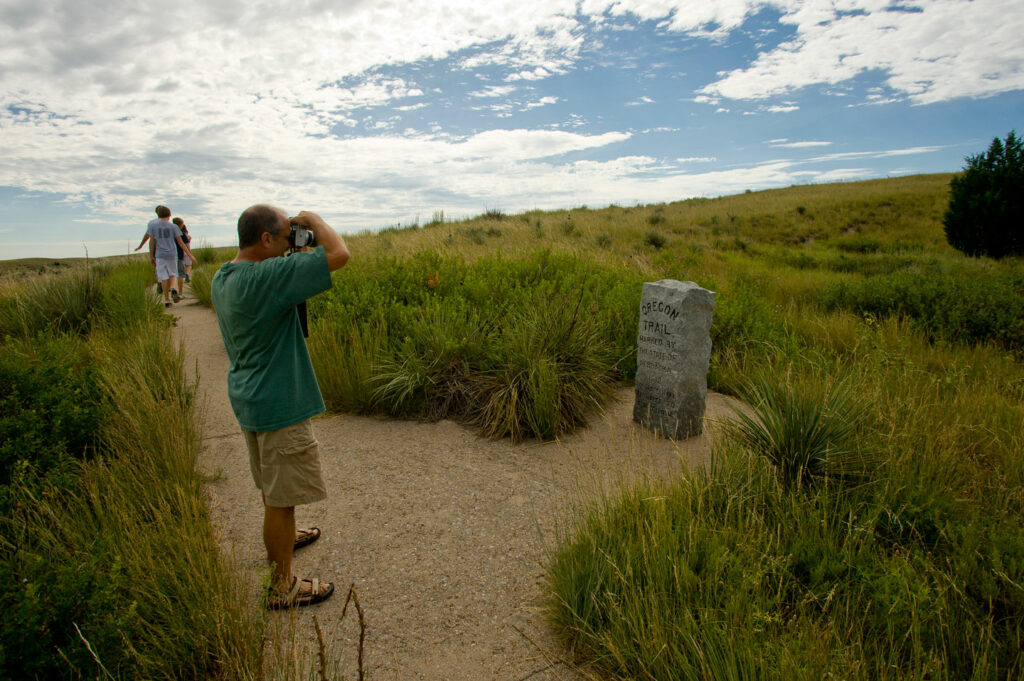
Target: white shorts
<point x="166" y="268"/>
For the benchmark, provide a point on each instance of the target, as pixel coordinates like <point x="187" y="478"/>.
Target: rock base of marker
<point x="673" y="353"/>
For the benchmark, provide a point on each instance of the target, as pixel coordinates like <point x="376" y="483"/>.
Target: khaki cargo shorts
<point x="285" y="465"/>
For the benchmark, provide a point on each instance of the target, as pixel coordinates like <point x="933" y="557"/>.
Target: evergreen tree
<point x="986" y="206"/>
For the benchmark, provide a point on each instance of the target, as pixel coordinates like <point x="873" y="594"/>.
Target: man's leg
<point x="165" y="286"/>
<point x="279" y="538"/>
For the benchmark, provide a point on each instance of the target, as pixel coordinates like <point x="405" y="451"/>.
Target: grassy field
<point x="866" y="525"/>
<point x="108" y="567"/>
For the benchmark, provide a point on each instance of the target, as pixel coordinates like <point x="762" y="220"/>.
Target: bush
<point x="986" y="206"/>
<point x="106" y="568"/>
<point x="521" y="348"/>
<point x="555" y="368"/>
<point x="206" y="254"/>
<point x="50" y="406"/>
<point x="725" y="573"/>
<point x="655" y="238"/>
<point x="202" y="280"/>
<point x="63" y="303"/>
<point x="960" y="306"/>
<point x="805" y="431"/>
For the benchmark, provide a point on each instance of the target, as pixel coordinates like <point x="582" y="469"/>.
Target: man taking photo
<point x="271" y="384"/>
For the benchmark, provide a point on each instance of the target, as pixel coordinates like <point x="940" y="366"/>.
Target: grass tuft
<point x="806" y="432"/>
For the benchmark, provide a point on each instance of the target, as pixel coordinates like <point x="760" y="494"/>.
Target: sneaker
<point x="187" y="278"/>
<point x="166" y="304"/>
<point x="175" y="297"/>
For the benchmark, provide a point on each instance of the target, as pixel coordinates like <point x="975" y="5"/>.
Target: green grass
<point x="108" y="564"/>
<point x="806" y="432"/>
<point x="874" y="532"/>
<point x="864" y="523"/>
<point x="520" y="348"/>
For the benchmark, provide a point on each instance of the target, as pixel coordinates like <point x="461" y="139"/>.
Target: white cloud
<point x="931" y="51"/>
<point x="232" y="102"/>
<point x="494" y="91"/>
<point x="543" y="101"/>
<point x="844" y="156"/>
<point x="639" y="102"/>
<point x="797" y="145"/>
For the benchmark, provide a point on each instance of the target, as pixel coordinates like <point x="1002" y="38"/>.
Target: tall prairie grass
<point x="909" y="573"/>
<point x="518" y="347"/>
<point x="911" y="568"/>
<point x="109" y="565"/>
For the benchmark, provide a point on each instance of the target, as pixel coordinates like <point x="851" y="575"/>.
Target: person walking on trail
<point x="271" y="383"/>
<point x="187" y="238"/>
<point x="163" y="238"/>
<point x="184" y="262"/>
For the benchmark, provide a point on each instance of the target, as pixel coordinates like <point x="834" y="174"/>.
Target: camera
<point x="300" y="238"/>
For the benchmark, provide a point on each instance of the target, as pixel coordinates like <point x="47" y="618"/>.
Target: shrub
<point x="859" y="244"/>
<point x="546" y="331"/>
<point x="202" y="280"/>
<point x="106" y="568"/>
<point x="50" y="406"/>
<point x="723" y="569"/>
<point x="64" y="303"/>
<point x="655" y="238"/>
<point x="127" y="297"/>
<point x="961" y="306"/>
<point x="555" y="368"/>
<point x="475" y="234"/>
<point x="206" y="254"/>
<point x="344" y="361"/>
<point x="986" y="205"/>
<point x="805" y="431"/>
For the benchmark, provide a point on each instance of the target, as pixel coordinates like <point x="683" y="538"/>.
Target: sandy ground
<point x="443" y="534"/>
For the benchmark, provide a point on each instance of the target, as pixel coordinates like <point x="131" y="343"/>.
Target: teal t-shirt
<point x="271" y="383"/>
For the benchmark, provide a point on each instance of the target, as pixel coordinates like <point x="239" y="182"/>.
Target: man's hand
<point x="337" y="252"/>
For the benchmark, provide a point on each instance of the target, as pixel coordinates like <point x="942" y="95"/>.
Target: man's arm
<point x="143" y="242"/>
<point x="152" y="251"/>
<point x="334" y="245"/>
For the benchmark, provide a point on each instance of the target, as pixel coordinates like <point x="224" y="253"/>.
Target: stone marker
<point x="673" y="352"/>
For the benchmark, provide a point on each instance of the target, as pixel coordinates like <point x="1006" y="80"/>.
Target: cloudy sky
<point x="385" y="112"/>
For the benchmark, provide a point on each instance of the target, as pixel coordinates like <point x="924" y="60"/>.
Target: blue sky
<point x="385" y="112"/>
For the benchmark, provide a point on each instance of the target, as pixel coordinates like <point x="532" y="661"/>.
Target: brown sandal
<point x="306" y="537"/>
<point x="294" y="598"/>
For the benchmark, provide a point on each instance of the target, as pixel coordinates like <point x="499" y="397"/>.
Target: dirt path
<point x="443" y="534"/>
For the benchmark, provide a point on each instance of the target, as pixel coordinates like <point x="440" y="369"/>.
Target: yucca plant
<point x="806" y="431"/>
<point x="555" y="370"/>
<point x="429" y="371"/>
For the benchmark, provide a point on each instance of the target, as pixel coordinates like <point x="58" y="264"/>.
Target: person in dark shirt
<point x="184" y="262"/>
